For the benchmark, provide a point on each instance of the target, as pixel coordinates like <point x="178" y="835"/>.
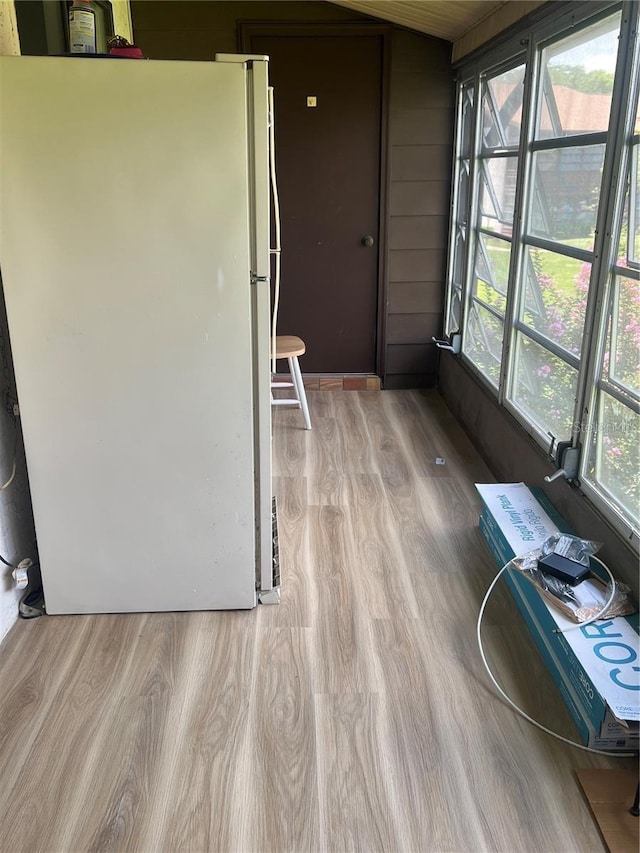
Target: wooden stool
<point x="290" y="347"/>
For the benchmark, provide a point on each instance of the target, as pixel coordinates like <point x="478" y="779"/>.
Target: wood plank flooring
<point x="354" y="716"/>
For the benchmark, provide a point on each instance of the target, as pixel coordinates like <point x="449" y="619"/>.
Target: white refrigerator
<point x="135" y="262"/>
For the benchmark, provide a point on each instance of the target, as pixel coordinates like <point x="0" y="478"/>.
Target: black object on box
<point x="563" y="568"/>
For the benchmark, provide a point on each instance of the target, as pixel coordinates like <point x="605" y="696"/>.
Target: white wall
<point x="122" y="19"/>
<point x="17" y="534"/>
<point x="9" y="41"/>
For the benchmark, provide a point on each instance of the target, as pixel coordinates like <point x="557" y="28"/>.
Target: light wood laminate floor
<point x="354" y="716"/>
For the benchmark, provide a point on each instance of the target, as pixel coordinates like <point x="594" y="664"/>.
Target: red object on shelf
<point x="131" y="51"/>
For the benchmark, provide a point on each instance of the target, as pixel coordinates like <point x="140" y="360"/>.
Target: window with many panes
<point x="613" y="441"/>
<point x="544" y="266"/>
<point x="462" y="200"/>
<point x="496" y="171"/>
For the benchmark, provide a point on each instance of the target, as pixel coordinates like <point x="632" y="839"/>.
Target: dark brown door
<point x="328" y="165"/>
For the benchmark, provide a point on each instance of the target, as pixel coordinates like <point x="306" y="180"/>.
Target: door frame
<point x="248" y="29"/>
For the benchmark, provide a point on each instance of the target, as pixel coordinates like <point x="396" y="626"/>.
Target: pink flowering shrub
<point x="545" y="385"/>
<point x="548" y="384"/>
<point x="619" y="463"/>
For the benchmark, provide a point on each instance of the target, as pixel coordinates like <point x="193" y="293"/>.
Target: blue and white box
<point x="597" y="666"/>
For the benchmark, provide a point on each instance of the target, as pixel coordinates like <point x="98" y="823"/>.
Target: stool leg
<point x="296" y="375"/>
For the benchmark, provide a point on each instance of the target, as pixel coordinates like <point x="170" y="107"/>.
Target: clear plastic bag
<point x="572" y="547"/>
<point x="582" y="601"/>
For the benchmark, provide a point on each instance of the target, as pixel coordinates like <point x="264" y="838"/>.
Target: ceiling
<point x="446" y="19"/>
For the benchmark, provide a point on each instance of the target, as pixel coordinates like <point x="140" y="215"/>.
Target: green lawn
<point x="559" y="268"/>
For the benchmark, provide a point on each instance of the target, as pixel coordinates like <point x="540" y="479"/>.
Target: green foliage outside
<point x="545" y="385"/>
<point x="578" y="78"/>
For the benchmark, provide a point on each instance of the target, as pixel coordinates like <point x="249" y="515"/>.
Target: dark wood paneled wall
<point x="420" y="140"/>
<point x="513" y="456"/>
<point x="198" y="29"/>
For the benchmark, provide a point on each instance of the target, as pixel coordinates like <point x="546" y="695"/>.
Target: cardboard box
<point x="596" y="667"/>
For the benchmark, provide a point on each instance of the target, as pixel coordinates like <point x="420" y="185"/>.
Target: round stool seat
<point x="289" y="346"/>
